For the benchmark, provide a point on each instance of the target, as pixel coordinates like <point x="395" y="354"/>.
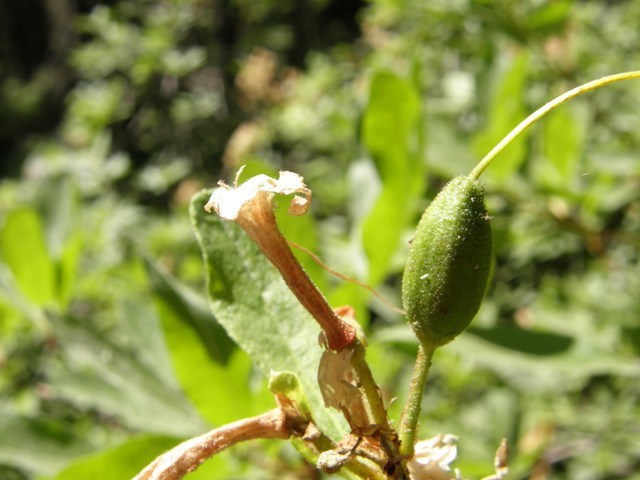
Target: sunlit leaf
<point x="222" y="392"/>
<point x="17" y="301"/>
<point x="122" y="461"/>
<point x="125" y="460"/>
<point x="24" y="250"/>
<point x="563" y="137"/>
<point x="389" y="128"/>
<point x="191" y="308"/>
<point x="505" y="110"/>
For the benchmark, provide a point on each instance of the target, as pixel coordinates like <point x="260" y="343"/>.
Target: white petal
<point x="432" y="458"/>
<point x="228" y="201"/>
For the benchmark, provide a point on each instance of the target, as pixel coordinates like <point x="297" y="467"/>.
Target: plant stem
<point x="186" y="457"/>
<point x="542" y="111"/>
<point x="368" y="385"/>
<point x="411" y="412"/>
<point x="260" y="224"/>
<point x="377" y="409"/>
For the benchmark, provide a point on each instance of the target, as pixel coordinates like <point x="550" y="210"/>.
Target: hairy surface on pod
<point x="449" y="263"/>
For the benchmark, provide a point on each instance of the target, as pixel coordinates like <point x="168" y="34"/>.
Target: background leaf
<point x="389" y="131"/>
<point x="506" y="108"/>
<point x="130" y="457"/>
<point x="37" y="445"/>
<point x="191" y="308"/>
<point x="202" y="369"/>
<point x="98" y="373"/>
<point x="24" y="251"/>
<point x="562" y="140"/>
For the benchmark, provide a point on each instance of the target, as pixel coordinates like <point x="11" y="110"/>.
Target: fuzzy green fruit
<point x="449" y="263"/>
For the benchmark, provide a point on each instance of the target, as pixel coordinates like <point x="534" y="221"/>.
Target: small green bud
<point x="449" y="263"/>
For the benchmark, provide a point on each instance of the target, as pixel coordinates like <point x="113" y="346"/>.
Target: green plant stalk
<point x="377" y="410"/>
<point x="411" y="413"/>
<point x="368" y="386"/>
<point x="542" y="111"/>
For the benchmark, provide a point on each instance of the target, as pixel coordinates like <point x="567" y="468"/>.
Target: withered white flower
<point x="229" y="201"/>
<point x="432" y="458"/>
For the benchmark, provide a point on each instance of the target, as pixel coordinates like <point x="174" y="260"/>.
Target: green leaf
<point x="564" y="364"/>
<point x="562" y="140"/>
<point x="569" y="368"/>
<point x="506" y="110"/>
<point x="549" y="18"/>
<point x="16" y="300"/>
<point x="525" y="341"/>
<point x="201" y="377"/>
<point x="202" y="354"/>
<point x="23" y="249"/>
<point x="66" y="266"/>
<point x="250" y="299"/>
<point x="38" y="446"/>
<point x="143" y="334"/>
<point x="389" y="127"/>
<point x="59" y="206"/>
<point x="389" y="118"/>
<point x="288" y="384"/>
<point x="95" y="372"/>
<point x="122" y="461"/>
<point x="128" y="458"/>
<point x="192" y="308"/>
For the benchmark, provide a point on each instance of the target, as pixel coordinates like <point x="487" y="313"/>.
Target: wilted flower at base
<point x="432" y="458"/>
<point x="229" y="202"/>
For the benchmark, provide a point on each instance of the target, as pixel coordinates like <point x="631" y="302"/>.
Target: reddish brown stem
<point x="188" y="456"/>
<point x="260" y="224"/>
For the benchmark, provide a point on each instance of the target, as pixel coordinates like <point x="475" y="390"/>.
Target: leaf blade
<point x="24" y="251"/>
<point x="389" y="125"/>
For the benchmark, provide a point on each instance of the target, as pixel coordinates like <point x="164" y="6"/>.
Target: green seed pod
<point x="449" y="263"/>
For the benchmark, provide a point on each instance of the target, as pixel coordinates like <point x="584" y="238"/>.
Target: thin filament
<point x="316" y="259"/>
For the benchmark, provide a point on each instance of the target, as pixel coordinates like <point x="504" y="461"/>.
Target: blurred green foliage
<point x="113" y="114"/>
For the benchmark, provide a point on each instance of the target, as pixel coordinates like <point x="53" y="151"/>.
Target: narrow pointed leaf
<point x="506" y="110"/>
<point x="192" y="309"/>
<point x="23" y="249"/>
<point x="563" y="137"/>
<point x="389" y="127"/>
